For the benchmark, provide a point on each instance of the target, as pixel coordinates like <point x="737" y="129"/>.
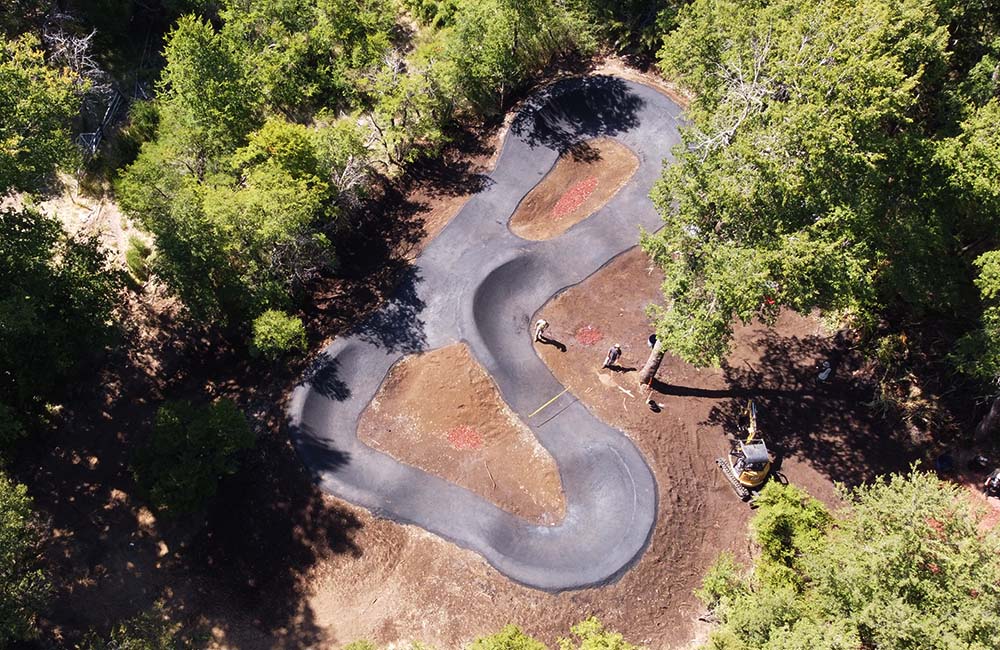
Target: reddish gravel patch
<point x="465" y="437"/>
<point x="588" y="335"/>
<point x="574" y="197"/>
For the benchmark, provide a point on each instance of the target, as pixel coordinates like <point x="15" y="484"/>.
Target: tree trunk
<point x="652" y="364"/>
<point x="987" y="423"/>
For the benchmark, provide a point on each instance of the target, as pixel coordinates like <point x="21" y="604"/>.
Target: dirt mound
<point x="441" y="412"/>
<point x="580" y="183"/>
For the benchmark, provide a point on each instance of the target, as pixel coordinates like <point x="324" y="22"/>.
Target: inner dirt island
<point x="581" y="182"/>
<point x="441" y="412"/>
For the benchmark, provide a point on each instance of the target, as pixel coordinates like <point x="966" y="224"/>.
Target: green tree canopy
<point x="509" y="638"/>
<point x="208" y="100"/>
<point x="37" y="104"/>
<point x="496" y="45"/>
<point x="276" y="333"/>
<point x="23" y="586"/>
<point x="810" y="176"/>
<point x="903" y="564"/>
<point x="191" y="448"/>
<point x="57" y="297"/>
<point x="592" y="635"/>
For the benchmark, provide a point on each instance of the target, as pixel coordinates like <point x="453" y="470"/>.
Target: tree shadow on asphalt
<point x="321" y="374"/>
<point x="826" y="423"/>
<point x="578" y="109"/>
<point x="397" y="325"/>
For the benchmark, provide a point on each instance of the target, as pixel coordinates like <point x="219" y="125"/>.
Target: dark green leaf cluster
<point x="836" y="158"/>
<point x="191" y="448"/>
<point x="632" y="26"/>
<point x="57" y="297"/>
<point x="586" y="635"/>
<point x="23" y="586"/>
<point x="150" y="630"/>
<point x="267" y="128"/>
<point x="903" y="564"/>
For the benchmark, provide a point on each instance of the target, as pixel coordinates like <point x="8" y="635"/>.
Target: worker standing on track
<point x="613" y="355"/>
<point x="540" y="326"/>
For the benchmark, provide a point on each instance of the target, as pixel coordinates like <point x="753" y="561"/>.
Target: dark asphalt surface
<point x="478" y="283"/>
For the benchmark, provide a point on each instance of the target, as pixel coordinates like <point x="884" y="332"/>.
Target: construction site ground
<point x="417" y="586"/>
<point x="274" y="563"/>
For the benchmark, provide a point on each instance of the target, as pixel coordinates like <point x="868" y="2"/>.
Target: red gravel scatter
<point x="574" y="197"/>
<point x="588" y="335"/>
<point x="465" y="437"/>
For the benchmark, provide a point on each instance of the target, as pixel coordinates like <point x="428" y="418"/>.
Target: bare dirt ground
<point x="579" y="184"/>
<point x="465" y="433"/>
<point x="274" y="563"/>
<point x="822" y="430"/>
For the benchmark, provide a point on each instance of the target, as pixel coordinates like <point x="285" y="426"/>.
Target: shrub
<point x="509" y="638"/>
<point x="276" y="333"/>
<point x="150" y="630"/>
<point x="361" y="644"/>
<point x="137" y="258"/>
<point x="191" y="448"/>
<point x="23" y="587"/>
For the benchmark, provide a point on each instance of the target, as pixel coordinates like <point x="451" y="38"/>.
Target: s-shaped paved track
<point x="478" y="283"/>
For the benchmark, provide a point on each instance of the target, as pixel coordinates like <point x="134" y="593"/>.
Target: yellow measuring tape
<point x="548" y="402"/>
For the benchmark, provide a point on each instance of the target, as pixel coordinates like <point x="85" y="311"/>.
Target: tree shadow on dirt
<point x="264" y="533"/>
<point x="828" y="423"/>
<point x="575" y="110"/>
<point x="453" y="173"/>
<point x="241" y="568"/>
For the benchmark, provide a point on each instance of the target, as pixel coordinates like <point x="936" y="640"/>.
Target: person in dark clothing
<point x="613" y="355"/>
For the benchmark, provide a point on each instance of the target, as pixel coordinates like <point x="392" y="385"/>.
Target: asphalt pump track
<point x="477" y="282"/>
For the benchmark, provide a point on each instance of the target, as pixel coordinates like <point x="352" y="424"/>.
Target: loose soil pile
<point x="579" y="184"/>
<point x="441" y="412"/>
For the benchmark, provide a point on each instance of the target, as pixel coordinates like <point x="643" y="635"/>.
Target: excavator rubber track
<point x="741" y="490"/>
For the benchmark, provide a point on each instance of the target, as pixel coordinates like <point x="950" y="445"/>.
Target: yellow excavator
<point x="749" y="462"/>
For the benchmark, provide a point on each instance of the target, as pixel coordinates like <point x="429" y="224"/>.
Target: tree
<point x="191" y="448"/>
<point x="496" y="45"/>
<point x="37" y="103"/>
<point x="57" y="298"/>
<point x="23" y="586"/>
<point x="591" y="635"/>
<point x="244" y="240"/>
<point x="652" y="365"/>
<point x="903" y="564"/>
<point x="634" y="26"/>
<point x="310" y="55"/>
<point x="150" y="630"/>
<point x="276" y="333"/>
<point x="808" y="178"/>
<point x="208" y="101"/>
<point x="978" y="352"/>
<point x="509" y="638"/>
<point x="410" y="111"/>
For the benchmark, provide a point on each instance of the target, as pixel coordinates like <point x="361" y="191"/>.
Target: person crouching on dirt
<point x="613" y="355"/>
<point x="992" y="484"/>
<point x="540" y="326"/>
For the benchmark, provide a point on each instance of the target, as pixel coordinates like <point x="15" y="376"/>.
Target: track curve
<point x="479" y="283"/>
